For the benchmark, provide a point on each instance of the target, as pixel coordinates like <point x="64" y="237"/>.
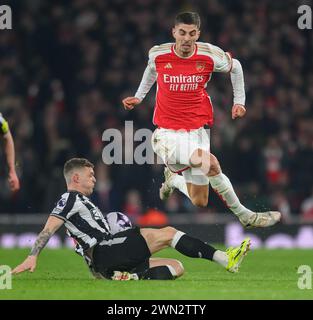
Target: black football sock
<point x="157" y="273"/>
<point x="192" y="247"/>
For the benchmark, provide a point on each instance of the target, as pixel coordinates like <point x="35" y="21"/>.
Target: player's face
<point x="87" y="180"/>
<point x="185" y="35"/>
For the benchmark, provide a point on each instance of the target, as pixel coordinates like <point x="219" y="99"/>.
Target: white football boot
<point x="259" y="219"/>
<point x="167" y="189"/>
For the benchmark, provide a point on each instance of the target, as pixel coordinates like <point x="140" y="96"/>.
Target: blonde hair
<point x="75" y="163"/>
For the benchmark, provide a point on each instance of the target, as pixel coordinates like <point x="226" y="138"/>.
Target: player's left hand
<point x="29" y="264"/>
<point x="238" y="110"/>
<point x="14" y="183"/>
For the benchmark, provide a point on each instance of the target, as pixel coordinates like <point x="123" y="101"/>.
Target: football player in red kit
<point x="182" y="109"/>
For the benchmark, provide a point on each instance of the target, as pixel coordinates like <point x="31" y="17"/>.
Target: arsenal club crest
<point x="200" y="66"/>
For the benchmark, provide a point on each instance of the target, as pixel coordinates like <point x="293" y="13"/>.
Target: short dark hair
<point x="75" y="163"/>
<point x="188" y="18"/>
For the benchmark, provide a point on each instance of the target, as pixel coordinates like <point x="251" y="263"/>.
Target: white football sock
<point x="179" y="183"/>
<point x="222" y="185"/>
<point x="176" y="238"/>
<point x="221" y="258"/>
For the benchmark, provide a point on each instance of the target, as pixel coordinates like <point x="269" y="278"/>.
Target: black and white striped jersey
<point x="83" y="220"/>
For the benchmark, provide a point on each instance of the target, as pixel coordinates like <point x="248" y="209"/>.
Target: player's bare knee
<point x="167" y="235"/>
<point x="200" y="201"/>
<point x="176" y="268"/>
<point x="215" y="167"/>
<point x="179" y="268"/>
<point x="169" y="232"/>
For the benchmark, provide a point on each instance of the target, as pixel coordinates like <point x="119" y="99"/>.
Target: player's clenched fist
<point x="238" y="110"/>
<point x="13" y="181"/>
<point x="130" y="102"/>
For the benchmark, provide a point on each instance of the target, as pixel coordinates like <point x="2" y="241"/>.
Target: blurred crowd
<point x="66" y="65"/>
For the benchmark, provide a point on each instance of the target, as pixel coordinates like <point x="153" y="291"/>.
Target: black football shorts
<point x="127" y="251"/>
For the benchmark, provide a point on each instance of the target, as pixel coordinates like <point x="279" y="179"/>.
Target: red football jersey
<point x="181" y="99"/>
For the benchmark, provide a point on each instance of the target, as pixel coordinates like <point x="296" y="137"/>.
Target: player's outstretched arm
<point x="10" y="157"/>
<point x="130" y="102"/>
<point x="52" y="225"/>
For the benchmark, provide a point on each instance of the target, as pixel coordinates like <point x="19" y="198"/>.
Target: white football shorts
<point x="175" y="148"/>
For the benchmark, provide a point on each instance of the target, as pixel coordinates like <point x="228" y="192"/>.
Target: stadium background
<point x="65" y="67"/>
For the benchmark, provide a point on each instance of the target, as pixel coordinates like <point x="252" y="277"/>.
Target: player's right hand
<point x="130" y="102"/>
<point x="14" y="183"/>
<point x="28" y="264"/>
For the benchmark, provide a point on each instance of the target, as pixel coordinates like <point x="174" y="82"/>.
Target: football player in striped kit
<point x="183" y="107"/>
<point x="120" y="255"/>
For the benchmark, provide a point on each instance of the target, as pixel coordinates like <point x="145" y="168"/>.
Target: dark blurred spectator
<point x="281" y="203"/>
<point x="307" y="208"/>
<point x="273" y="157"/>
<point x="133" y="204"/>
<point x="174" y="203"/>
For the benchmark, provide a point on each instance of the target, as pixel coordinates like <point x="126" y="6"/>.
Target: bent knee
<point x="215" y="167"/>
<point x="168" y="234"/>
<point x="169" y="230"/>
<point x="200" y="202"/>
<point x="178" y="267"/>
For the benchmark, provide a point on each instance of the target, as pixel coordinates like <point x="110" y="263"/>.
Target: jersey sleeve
<point x="64" y="207"/>
<point x="152" y="55"/>
<point x="4" y="126"/>
<point x="222" y="60"/>
<point x="148" y="78"/>
<point x="238" y="83"/>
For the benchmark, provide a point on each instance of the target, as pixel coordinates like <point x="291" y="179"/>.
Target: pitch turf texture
<point x="62" y="274"/>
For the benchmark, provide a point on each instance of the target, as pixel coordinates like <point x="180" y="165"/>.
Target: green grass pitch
<point x="62" y="274"/>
